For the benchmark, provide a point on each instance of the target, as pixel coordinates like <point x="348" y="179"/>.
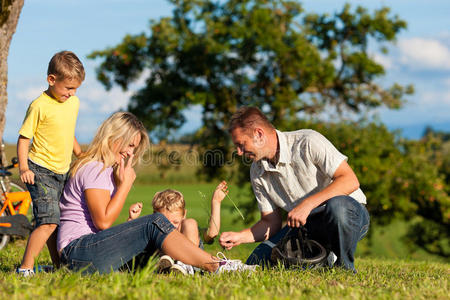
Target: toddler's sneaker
<point x="232" y="265"/>
<point x="164" y="264"/>
<point x="25" y="272"/>
<point x="182" y="268"/>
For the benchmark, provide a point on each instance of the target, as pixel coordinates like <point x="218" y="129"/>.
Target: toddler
<point x="171" y="204"/>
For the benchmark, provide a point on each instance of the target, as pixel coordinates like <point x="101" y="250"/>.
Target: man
<point x="302" y="173"/>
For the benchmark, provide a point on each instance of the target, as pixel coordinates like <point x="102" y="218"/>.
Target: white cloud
<point x="447" y="82"/>
<point x="383" y="60"/>
<point x="29" y="94"/>
<point x="93" y="96"/>
<point x="444" y="36"/>
<point x="427" y="106"/>
<point x="439" y="99"/>
<point x="423" y="53"/>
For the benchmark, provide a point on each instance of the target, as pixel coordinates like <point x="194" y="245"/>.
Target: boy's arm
<point x="26" y="175"/>
<point x="76" y="147"/>
<point x="214" y="222"/>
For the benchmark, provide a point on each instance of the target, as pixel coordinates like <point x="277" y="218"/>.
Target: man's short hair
<point x="66" y="65"/>
<point x="246" y="117"/>
<point x="169" y="200"/>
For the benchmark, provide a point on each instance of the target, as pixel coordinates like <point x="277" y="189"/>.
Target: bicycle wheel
<point x="4" y="238"/>
<point x="14" y="187"/>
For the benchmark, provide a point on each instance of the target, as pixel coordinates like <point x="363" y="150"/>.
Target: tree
<point x="271" y="54"/>
<point x="267" y="53"/>
<point x="9" y="16"/>
<point x="429" y="189"/>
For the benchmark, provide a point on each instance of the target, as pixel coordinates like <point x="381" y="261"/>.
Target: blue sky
<point x="421" y="56"/>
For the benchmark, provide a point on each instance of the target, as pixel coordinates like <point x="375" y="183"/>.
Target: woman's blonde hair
<point x="118" y="130"/>
<point x="170" y="200"/>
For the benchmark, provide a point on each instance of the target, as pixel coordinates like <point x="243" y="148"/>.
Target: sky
<point x="420" y="56"/>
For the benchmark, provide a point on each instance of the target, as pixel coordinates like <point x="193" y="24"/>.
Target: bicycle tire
<point x="14" y="187"/>
<point x="4" y="238"/>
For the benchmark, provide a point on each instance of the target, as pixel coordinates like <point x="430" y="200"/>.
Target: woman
<point x="94" y="196"/>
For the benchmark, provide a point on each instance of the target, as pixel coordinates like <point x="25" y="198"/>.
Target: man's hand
<point x="27" y="176"/>
<point x="298" y="215"/>
<point x="134" y="211"/>
<point x="229" y="240"/>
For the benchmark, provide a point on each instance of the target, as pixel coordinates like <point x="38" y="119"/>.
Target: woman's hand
<point x="124" y="174"/>
<point x="134" y="211"/>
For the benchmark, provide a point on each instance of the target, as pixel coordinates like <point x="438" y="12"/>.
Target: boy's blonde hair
<point x="170" y="200"/>
<point x="66" y="65"/>
<point x="121" y="128"/>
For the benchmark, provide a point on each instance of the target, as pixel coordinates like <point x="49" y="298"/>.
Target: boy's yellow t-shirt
<point x="51" y="125"/>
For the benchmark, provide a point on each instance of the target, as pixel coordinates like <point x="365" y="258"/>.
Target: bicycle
<point x="15" y="214"/>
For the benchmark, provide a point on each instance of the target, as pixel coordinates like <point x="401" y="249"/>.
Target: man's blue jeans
<point x="338" y="225"/>
<point x="109" y="249"/>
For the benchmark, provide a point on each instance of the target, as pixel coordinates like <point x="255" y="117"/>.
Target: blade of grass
<point x="235" y="206"/>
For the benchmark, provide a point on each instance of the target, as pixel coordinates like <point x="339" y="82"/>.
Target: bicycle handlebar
<point x="4" y="170"/>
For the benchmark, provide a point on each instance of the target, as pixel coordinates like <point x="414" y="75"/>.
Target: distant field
<point x="179" y="164"/>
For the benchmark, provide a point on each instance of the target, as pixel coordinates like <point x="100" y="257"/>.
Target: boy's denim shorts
<point x="45" y="194"/>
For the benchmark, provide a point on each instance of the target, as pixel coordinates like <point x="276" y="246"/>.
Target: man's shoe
<point x="331" y="259"/>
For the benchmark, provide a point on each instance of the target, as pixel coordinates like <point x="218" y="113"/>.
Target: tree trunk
<point x="9" y="16"/>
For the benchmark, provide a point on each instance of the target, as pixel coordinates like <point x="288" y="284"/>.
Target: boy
<point x="171" y="204"/>
<point x="50" y="121"/>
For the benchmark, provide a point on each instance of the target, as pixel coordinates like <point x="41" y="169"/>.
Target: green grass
<point x="387" y="269"/>
<point x="377" y="278"/>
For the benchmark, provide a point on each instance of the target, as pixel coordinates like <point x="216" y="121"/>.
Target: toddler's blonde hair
<point x="170" y="200"/>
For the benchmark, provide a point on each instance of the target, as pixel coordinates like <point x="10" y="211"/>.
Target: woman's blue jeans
<point x="108" y="250"/>
<point x="338" y="225"/>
